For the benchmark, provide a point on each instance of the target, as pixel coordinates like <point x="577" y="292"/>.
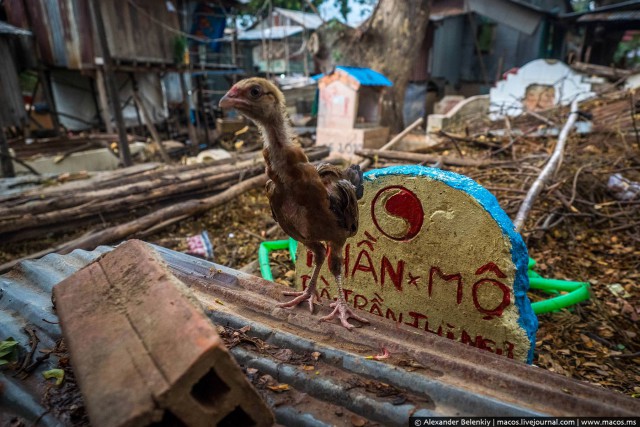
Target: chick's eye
<point x="255" y="91"/>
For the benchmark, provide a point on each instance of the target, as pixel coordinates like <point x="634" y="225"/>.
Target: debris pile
<point x="155" y="196"/>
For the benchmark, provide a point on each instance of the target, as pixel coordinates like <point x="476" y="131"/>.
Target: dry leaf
<point x="358" y="421"/>
<point x="283" y="354"/>
<point x="279" y="388"/>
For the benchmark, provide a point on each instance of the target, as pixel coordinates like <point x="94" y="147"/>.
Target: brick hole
<point x="209" y="389"/>
<point x="168" y="420"/>
<point x="237" y="418"/>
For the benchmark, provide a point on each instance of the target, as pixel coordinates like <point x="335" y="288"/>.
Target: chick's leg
<point x="340" y="307"/>
<point x="310" y="294"/>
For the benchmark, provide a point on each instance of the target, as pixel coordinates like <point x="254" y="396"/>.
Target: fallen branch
<point x="548" y="171"/>
<point x="425" y="158"/>
<point x="453" y="137"/>
<point x="366" y="163"/>
<point x="21" y="162"/>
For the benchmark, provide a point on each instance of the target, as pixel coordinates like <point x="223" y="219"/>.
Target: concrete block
<point x="346" y="142"/>
<point x="143" y="350"/>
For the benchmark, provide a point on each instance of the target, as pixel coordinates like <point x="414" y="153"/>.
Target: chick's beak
<point x="230" y="99"/>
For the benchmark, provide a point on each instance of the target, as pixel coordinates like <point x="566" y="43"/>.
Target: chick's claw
<point x="343" y="312"/>
<point x="310" y="296"/>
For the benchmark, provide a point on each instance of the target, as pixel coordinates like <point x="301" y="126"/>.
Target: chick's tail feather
<point x="354" y="175"/>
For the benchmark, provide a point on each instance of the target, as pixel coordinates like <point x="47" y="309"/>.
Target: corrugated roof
<point x="623" y="15"/>
<point x="273" y="33"/>
<point x="10" y="29"/>
<point x="307" y="20"/>
<point x="453" y="379"/>
<point x="25" y="302"/>
<point x="364" y="76"/>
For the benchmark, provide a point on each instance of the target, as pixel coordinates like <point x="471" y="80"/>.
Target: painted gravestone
<point x="538" y="85"/>
<point x="435" y="252"/>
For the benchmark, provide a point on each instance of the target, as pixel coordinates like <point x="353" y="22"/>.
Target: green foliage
<point x="28" y="81"/>
<point x="179" y="48"/>
<point x="8" y="351"/>
<point x="624" y="55"/>
<point x="580" y="5"/>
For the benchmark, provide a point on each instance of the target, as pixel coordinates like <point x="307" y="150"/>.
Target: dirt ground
<point x="576" y="231"/>
<point x="594" y="239"/>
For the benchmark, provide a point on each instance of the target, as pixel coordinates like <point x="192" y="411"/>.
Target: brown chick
<point x="312" y="204"/>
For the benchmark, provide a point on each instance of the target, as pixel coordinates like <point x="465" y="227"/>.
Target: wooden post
<point x="148" y="121"/>
<point x="234" y="48"/>
<point x="104" y="102"/>
<point x="48" y="96"/>
<point x="193" y="136"/>
<point x="202" y="108"/>
<point x="123" y="143"/>
<point x="5" y="158"/>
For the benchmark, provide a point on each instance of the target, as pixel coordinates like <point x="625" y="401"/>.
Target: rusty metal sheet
<point x="63" y="30"/>
<point x="138" y="31"/>
<point x="618" y="16"/>
<point x="453" y="378"/>
<point x="12" y="111"/>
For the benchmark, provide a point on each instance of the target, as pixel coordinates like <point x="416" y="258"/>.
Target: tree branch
<point x="548" y="171"/>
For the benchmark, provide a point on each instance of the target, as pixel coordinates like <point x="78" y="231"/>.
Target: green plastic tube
<point x="577" y="291"/>
<point x="263" y="255"/>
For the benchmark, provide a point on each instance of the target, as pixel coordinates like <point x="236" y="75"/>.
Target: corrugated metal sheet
<point x="512" y="14"/>
<point x="442" y="9"/>
<point x="272" y="33"/>
<point x="454" y="379"/>
<point x="25" y="301"/>
<point x="623" y="15"/>
<point x="12" y="111"/>
<point x="307" y="20"/>
<point x="137" y="30"/>
<point x="365" y="76"/>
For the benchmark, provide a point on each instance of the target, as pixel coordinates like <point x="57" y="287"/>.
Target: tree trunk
<point x="388" y="42"/>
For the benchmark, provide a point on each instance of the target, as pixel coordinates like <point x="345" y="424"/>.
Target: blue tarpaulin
<point x="365" y="76"/>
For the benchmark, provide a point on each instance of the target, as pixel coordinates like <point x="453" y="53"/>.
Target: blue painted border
<point x="519" y="254"/>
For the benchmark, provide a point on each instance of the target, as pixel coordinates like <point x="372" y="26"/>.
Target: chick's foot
<point x="308" y="294"/>
<point x="343" y="312"/>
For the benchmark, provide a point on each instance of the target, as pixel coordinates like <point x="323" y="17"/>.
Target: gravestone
<point x="537" y="86"/>
<point x="435" y="252"/>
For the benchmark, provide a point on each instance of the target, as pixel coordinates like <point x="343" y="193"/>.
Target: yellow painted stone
<point x="431" y="257"/>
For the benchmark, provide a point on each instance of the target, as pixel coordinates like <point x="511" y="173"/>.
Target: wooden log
<point x="155" y="136"/>
<point x="104" y="205"/>
<point x="167" y="216"/>
<point x="367" y="162"/>
<point x="165" y="355"/>
<point x="425" y="158"/>
<point x="81" y="198"/>
<point x="601" y="70"/>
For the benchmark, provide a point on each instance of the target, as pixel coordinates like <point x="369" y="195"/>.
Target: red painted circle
<point x="403" y="204"/>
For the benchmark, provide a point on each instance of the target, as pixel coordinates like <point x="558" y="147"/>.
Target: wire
<point x="171" y="29"/>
